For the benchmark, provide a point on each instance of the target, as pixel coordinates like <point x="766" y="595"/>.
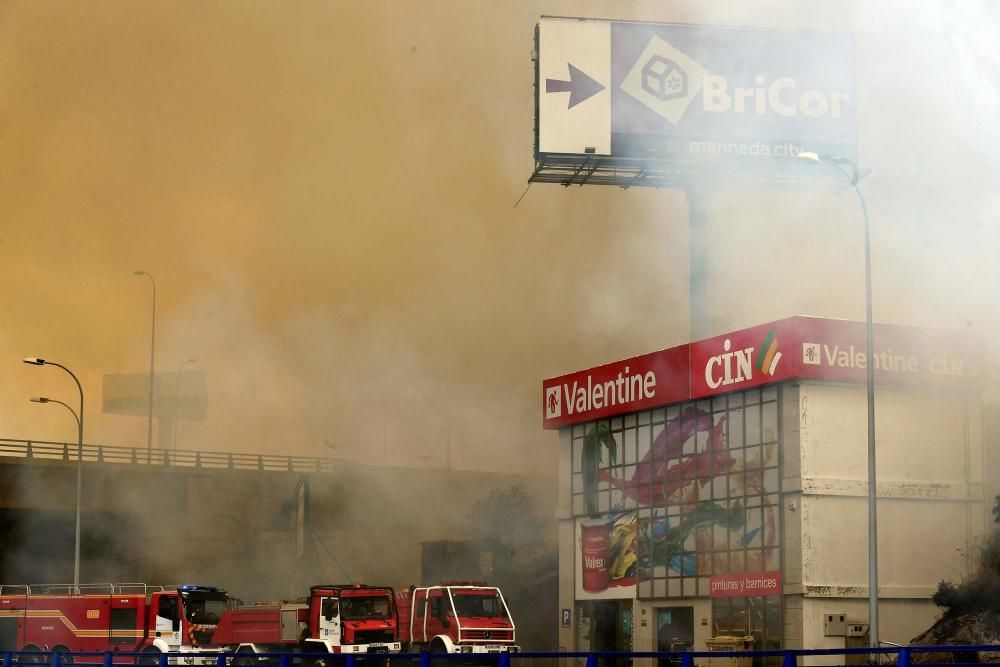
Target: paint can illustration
<point x="595" y="542"/>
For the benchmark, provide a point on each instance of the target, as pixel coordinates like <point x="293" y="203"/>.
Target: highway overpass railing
<point x="180" y="458"/>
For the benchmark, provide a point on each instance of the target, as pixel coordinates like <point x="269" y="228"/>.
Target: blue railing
<point x="902" y="656"/>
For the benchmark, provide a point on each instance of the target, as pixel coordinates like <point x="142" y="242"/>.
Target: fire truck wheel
<point x="64" y="659"/>
<point x="244" y="657"/>
<point x="31" y="655"/>
<point x="151" y="656"/>
<point x="437" y="646"/>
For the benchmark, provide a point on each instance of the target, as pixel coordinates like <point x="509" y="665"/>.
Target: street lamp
<point x="853" y="174"/>
<point x="152" y="347"/>
<point x="447" y="461"/>
<point x="429" y="457"/>
<point x="177" y="396"/>
<point x="35" y="361"/>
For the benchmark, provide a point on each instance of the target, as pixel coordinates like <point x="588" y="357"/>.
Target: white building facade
<point x="719" y="488"/>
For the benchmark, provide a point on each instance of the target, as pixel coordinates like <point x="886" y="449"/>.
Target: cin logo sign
<point x="736" y="366"/>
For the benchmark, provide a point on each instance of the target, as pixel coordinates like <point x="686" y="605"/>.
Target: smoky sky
<point x="324" y="193"/>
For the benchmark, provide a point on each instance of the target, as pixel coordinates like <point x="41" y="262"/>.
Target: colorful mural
<point x="670" y="500"/>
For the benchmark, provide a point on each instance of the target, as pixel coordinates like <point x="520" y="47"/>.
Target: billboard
<point x="178" y="395"/>
<point x="687" y="96"/>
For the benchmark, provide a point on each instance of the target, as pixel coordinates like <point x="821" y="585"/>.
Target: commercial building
<point x="719" y="488"/>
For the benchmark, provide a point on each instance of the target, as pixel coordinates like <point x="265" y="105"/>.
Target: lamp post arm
<point x="71" y="411"/>
<point x="79" y="387"/>
<point x="79" y="472"/>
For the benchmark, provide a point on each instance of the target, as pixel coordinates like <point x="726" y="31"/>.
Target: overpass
<point x="232" y="519"/>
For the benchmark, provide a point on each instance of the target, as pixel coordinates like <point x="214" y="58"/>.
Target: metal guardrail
<point x="902" y="656"/>
<point x="179" y="458"/>
<point x="101" y="588"/>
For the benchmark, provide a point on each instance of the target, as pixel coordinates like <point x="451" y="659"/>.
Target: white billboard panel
<point x="574" y="70"/>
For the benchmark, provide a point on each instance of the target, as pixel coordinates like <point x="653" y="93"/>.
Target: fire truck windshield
<point x="482" y="605"/>
<point x="205" y="608"/>
<point x="362" y="608"/>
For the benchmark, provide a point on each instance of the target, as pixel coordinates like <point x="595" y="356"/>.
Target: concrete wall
<point x="931" y="511"/>
<point x="897" y="617"/>
<point x="233" y="527"/>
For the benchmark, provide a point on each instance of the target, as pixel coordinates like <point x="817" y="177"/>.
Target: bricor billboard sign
<point x="690" y="92"/>
<point x="797" y="347"/>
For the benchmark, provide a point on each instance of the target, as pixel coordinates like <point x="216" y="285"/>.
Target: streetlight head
<point x="39" y="399"/>
<point x="34" y="361"/>
<point x="138" y="273"/>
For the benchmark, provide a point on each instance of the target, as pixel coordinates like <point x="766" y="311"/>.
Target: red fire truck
<point x="455" y="617"/>
<point x="116" y="618"/>
<point x="336" y="618"/>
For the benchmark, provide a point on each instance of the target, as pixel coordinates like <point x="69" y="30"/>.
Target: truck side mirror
<point x="177" y="624"/>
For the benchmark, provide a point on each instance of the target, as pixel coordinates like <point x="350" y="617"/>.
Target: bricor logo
<point x="736" y="366"/>
<point x="664" y="79"/>
<point x="553" y="403"/>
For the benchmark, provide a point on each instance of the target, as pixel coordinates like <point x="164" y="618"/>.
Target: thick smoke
<point x="324" y="194"/>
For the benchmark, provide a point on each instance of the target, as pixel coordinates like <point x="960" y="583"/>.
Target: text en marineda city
<point x="623" y="389"/>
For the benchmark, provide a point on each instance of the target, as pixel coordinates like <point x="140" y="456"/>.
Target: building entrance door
<point x="604" y="625"/>
<point x="674" y="632"/>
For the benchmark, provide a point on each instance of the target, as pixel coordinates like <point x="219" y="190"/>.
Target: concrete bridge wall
<point x="164" y="524"/>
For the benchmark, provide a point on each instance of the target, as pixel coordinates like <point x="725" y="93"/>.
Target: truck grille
<point x="499" y="635"/>
<point x="373" y="637"/>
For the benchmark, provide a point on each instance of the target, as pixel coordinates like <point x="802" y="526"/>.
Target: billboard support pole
<point x="699" y="308"/>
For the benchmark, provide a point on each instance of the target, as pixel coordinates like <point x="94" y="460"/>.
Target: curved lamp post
<point x="177" y="395"/>
<point x="853" y="174"/>
<point x="152" y="348"/>
<point x="35" y="361"/>
<point x="446" y="463"/>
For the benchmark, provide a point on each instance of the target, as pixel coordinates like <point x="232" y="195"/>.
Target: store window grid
<point x="705" y="468"/>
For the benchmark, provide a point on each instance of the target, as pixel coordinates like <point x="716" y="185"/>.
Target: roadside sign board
<point x="692" y="93"/>
<point x="180" y="395"/>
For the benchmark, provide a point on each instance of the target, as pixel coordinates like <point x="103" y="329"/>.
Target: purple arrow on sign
<point x="580" y="86"/>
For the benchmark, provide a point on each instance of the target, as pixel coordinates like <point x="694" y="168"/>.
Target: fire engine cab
<point x="110" y="618"/>
<point x="456" y="617"/>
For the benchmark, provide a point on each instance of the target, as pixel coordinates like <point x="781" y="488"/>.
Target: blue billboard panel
<point x="688" y="92"/>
